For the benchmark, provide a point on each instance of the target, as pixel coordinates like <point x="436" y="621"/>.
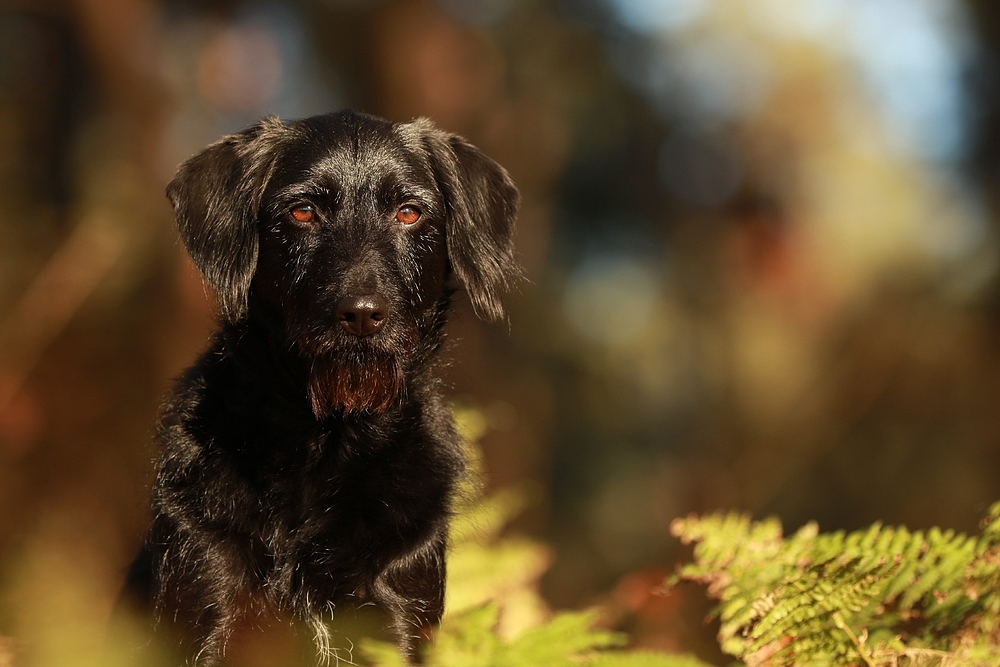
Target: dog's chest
<point x="331" y="523"/>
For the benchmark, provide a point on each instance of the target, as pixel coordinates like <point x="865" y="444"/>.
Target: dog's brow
<point x="402" y="193"/>
<point x="403" y="183"/>
<point x="413" y="191"/>
<point x="300" y="191"/>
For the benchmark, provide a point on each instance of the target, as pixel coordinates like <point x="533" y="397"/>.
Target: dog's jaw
<point x="337" y="385"/>
<point x="351" y="374"/>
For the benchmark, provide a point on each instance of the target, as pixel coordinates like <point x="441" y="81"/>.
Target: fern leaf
<point x="560" y="642"/>
<point x="644" y="659"/>
<point x="880" y="596"/>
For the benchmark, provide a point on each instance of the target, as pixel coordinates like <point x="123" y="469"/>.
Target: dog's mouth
<point x="339" y="384"/>
<point x="350" y="373"/>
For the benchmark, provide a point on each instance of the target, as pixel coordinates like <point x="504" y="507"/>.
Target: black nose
<point x="362" y="315"/>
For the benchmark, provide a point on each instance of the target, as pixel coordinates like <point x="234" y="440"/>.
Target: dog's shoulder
<point x="199" y="392"/>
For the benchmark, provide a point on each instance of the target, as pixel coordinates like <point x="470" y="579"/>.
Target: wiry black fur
<point x="283" y="485"/>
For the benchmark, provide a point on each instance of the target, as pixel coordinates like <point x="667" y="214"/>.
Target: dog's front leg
<point x="198" y="584"/>
<point x="199" y="622"/>
<point x="412" y="590"/>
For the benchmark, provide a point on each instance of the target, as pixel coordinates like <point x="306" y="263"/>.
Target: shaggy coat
<point x="308" y="459"/>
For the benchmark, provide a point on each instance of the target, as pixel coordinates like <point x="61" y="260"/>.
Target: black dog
<point x="308" y="459"/>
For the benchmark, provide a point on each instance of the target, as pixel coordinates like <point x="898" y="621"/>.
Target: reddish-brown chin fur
<point x="338" y="386"/>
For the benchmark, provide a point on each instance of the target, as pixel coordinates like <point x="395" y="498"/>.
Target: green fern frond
<point x="567" y="640"/>
<point x="560" y="642"/>
<point x="870" y="597"/>
<point x="643" y="659"/>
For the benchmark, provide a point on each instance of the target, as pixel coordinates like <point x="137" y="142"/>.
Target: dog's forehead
<point x="351" y="152"/>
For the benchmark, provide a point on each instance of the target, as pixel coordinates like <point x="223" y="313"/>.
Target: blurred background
<point x="762" y="239"/>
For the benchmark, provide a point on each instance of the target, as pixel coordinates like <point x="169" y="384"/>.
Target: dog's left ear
<point x="482" y="206"/>
<point x="216" y="195"/>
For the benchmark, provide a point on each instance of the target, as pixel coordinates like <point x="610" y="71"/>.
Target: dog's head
<point x="342" y="232"/>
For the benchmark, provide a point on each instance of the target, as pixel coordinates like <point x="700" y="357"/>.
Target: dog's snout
<point x="362" y="315"/>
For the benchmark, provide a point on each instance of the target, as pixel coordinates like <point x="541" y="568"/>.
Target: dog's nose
<point x="362" y="315"/>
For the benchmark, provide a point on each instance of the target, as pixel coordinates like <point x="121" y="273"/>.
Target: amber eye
<point x="407" y="215"/>
<point x="304" y="213"/>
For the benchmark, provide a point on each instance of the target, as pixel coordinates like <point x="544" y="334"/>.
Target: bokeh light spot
<point x="240" y="68"/>
<point x="609" y="299"/>
<point x="656" y="15"/>
<point x="701" y="169"/>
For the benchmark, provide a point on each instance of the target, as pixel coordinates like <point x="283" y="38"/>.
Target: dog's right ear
<point x="482" y="203"/>
<point x="216" y="198"/>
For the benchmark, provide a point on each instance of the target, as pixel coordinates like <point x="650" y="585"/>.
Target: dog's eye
<point x="304" y="213"/>
<point x="407" y="215"/>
